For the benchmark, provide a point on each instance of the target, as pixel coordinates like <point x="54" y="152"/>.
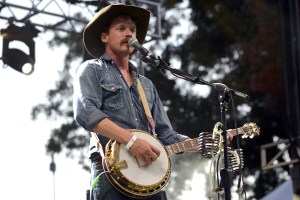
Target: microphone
<point x="149" y="57"/>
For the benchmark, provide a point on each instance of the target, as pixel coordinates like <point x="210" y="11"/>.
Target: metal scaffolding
<point x="68" y="15"/>
<point x="57" y="15"/>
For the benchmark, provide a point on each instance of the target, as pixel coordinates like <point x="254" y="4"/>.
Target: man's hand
<point x="147" y="152"/>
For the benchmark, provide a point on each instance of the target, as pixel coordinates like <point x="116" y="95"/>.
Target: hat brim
<point x="92" y="31"/>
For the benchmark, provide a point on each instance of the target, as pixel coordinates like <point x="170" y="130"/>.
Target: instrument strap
<point x="146" y="106"/>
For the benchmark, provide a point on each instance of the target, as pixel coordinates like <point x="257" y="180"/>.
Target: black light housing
<point x="16" y="58"/>
<point x="19" y="61"/>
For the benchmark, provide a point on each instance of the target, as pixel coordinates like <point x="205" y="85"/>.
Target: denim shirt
<point x="100" y="91"/>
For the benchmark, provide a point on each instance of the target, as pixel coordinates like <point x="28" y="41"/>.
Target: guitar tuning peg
<point x="208" y="145"/>
<point x="236" y="159"/>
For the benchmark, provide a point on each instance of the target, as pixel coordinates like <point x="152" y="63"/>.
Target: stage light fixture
<point x="19" y="61"/>
<point x="15" y="58"/>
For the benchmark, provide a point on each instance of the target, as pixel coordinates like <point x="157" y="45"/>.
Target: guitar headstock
<point x="250" y="130"/>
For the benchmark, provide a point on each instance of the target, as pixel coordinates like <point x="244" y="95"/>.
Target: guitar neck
<point x="240" y="131"/>
<point x="193" y="145"/>
<point x="188" y="145"/>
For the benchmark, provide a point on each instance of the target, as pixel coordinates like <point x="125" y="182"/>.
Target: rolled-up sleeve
<point x="87" y="95"/>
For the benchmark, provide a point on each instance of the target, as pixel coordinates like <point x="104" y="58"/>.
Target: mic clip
<point x="150" y="60"/>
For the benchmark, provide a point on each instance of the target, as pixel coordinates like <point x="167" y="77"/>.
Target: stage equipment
<point x="16" y="58"/>
<point x="217" y="179"/>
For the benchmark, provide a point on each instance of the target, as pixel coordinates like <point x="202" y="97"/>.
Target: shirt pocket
<point x="112" y="96"/>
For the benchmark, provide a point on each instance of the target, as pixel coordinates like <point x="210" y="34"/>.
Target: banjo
<point x="134" y="178"/>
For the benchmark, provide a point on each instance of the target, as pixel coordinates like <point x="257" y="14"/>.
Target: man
<point x="106" y="96"/>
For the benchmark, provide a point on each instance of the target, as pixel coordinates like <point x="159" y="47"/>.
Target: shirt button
<point x="135" y="119"/>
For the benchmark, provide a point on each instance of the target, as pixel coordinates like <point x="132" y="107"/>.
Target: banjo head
<point x="130" y="175"/>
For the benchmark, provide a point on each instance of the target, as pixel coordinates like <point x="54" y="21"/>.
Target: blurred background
<point x="250" y="46"/>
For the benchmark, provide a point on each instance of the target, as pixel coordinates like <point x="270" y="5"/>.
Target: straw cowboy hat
<point x="91" y="34"/>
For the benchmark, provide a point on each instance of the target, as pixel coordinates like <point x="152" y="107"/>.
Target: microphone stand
<point x="224" y="94"/>
<point x="224" y="173"/>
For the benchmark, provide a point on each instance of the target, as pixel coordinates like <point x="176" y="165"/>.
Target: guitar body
<point x="130" y="175"/>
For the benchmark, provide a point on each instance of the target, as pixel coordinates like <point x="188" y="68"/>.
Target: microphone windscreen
<point x="131" y="41"/>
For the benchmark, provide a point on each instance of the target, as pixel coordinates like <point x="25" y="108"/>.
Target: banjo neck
<point x="187" y="145"/>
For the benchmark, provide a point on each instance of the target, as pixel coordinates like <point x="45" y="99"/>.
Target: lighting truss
<point x="48" y="14"/>
<point x="62" y="15"/>
<point x="281" y="157"/>
<point x="67" y="16"/>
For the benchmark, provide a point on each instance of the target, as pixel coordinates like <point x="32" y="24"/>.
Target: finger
<point x="156" y="151"/>
<point x="230" y="136"/>
<point x="147" y="159"/>
<point x="153" y="156"/>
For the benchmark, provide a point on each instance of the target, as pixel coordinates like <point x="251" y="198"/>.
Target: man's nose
<point x="128" y="32"/>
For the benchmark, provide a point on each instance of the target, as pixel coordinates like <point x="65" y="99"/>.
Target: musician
<point x="106" y="97"/>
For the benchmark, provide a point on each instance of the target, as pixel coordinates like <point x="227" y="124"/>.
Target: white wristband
<point x="130" y="143"/>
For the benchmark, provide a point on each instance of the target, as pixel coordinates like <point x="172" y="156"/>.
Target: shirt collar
<point x="134" y="71"/>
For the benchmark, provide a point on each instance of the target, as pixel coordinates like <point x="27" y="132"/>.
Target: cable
<point x="97" y="179"/>
<point x="240" y="179"/>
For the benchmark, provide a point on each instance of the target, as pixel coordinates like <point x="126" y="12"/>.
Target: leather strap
<point x="146" y="106"/>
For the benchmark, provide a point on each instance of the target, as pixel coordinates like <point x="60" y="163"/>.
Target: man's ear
<point x="103" y="37"/>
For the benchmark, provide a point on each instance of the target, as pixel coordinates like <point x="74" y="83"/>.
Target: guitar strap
<point x="146" y="106"/>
